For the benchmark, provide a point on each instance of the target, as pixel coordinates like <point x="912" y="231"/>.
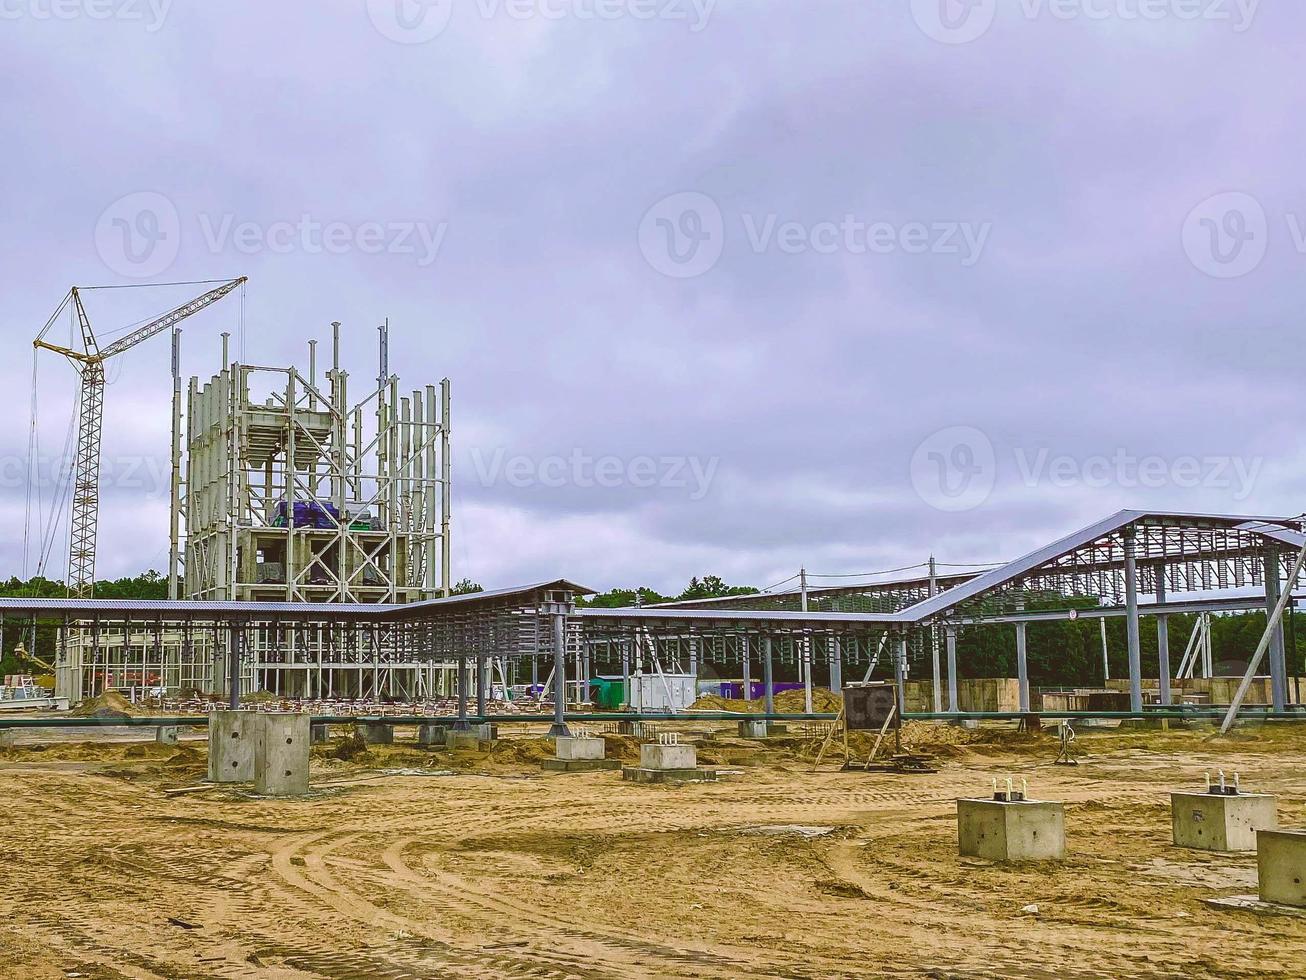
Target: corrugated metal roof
<point x="815" y="591"/>
<point x="182" y="609"/>
<point x="933" y="606"/>
<point x="647" y="613"/>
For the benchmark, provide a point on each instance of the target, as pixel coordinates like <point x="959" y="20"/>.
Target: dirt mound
<point x="786" y="702"/>
<point x="349" y="747"/>
<point x="526" y="751"/>
<point x="795" y="702"/>
<point x="110" y="704"/>
<point x="714" y="702"/>
<point x="621" y="747"/>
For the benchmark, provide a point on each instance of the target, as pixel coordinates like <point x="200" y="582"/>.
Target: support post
<point x="836" y="664"/>
<point x="461" y="724"/>
<point x="768" y="678"/>
<point x="559" y="726"/>
<point x="1022" y="667"/>
<point x="805" y="647"/>
<point x="1163" y="640"/>
<point x="934" y="644"/>
<point x="1106" y="665"/>
<point x="174" y="519"/>
<point x="743" y="656"/>
<point x="1131" y="623"/>
<point x="625" y="674"/>
<point x="900" y="674"/>
<point x="1246" y="682"/>
<point x="1278" y="662"/>
<point x="235" y="637"/>
<point x="951" y="640"/>
<point x="482" y="675"/>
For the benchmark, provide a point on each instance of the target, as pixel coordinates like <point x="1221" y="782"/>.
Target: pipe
<point x="201" y="721"/>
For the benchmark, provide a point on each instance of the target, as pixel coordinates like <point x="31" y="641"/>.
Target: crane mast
<point x="86" y="475"/>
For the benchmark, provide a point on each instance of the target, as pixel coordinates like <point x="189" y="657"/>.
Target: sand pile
<point x="786" y="702"/>
<point x="795" y="702"/>
<point x="110" y="704"/>
<point x="714" y="702"/>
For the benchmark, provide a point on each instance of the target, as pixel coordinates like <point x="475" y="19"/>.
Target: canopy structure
<point x="1131" y="564"/>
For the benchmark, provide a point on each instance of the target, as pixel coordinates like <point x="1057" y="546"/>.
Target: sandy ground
<point x="483" y="867"/>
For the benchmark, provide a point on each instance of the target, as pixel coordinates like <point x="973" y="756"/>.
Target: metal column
<point x="1278" y="662"/>
<point x="625" y="674"/>
<point x="768" y="677"/>
<point x="900" y="675"/>
<point x="1131" y="622"/>
<point x="1022" y="667"/>
<point x="743" y="656"/>
<point x="934" y="644"/>
<point x="951" y="641"/>
<point x="1106" y="664"/>
<point x="836" y="664"/>
<point x="559" y="726"/>
<point x="1162" y="640"/>
<point x="461" y="724"/>
<point x="235" y="638"/>
<point x="482" y="672"/>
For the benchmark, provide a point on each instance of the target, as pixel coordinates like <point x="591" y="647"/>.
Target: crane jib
<point x="86" y="475"/>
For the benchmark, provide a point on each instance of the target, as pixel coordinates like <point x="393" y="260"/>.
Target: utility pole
<point x="934" y="643"/>
<point x="806" y="649"/>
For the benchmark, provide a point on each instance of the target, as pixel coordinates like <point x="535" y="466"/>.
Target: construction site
<point x="317" y="758"/>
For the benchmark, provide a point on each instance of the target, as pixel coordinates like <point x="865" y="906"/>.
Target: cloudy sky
<point x="725" y="287"/>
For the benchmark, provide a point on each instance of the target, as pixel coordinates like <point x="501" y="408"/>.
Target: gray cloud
<point x="1083" y="329"/>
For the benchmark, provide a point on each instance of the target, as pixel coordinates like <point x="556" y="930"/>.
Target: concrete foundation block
<point x="320" y="734"/>
<point x="375" y="732"/>
<point x="658" y="756"/>
<point x="579" y="765"/>
<point x="281" y="743"/>
<point x="752" y="729"/>
<point x="461" y="740"/>
<point x="166" y="734"/>
<point x="486" y="731"/>
<point x="1215" y="822"/>
<point x="639" y="774"/>
<point x="1025" y="830"/>
<point x="571" y="749"/>
<point x="432" y="734"/>
<point x="231" y="746"/>
<point x="1281" y="866"/>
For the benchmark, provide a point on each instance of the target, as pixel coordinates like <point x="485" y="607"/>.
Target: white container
<point x="662" y="693"/>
